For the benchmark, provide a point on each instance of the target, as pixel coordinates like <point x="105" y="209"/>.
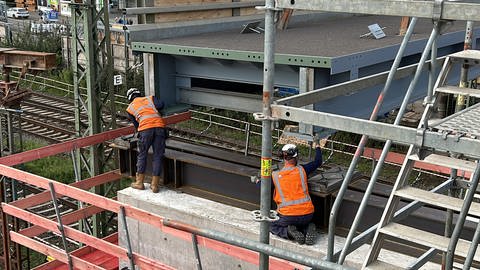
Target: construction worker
<point x="294" y="205"/>
<point x="144" y="113"/>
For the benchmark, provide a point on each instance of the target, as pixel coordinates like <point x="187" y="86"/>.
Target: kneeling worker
<point x="294" y="205"/>
<point x="144" y="113"/>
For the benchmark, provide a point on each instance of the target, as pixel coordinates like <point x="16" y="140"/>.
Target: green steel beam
<point x="445" y="10"/>
<point x="92" y="64"/>
<point x="249" y="56"/>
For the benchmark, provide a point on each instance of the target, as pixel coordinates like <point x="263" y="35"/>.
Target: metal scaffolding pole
<point x="363" y="142"/>
<point x="461" y="99"/>
<point x="266" y="117"/>
<point x="93" y="66"/>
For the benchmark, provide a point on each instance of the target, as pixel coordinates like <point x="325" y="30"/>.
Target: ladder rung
<point x="381" y="265"/>
<point x="427" y="239"/>
<point x="448" y="162"/>
<point x="436" y="199"/>
<point x="466" y="55"/>
<point x="459" y="91"/>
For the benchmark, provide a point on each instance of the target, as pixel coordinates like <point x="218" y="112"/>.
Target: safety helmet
<point x="289" y="151"/>
<point x="133" y="93"/>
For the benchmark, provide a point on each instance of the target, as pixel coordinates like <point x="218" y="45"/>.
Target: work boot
<point x="311" y="234"/>
<point x="138" y="184"/>
<point x="296" y="235"/>
<point x="154" y="184"/>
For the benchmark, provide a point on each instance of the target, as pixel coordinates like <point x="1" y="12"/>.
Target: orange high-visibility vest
<point x="144" y="111"/>
<point x="291" y="191"/>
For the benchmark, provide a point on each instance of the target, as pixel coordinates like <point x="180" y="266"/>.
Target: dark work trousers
<point x="279" y="227"/>
<point x="151" y="137"/>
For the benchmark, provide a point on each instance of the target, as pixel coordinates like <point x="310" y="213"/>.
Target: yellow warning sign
<point x="266" y="167"/>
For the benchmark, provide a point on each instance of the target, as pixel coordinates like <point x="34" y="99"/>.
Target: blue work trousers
<point x="154" y="137"/>
<point x="279" y="227"/>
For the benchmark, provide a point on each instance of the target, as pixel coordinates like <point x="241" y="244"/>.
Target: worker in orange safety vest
<point x="144" y="113"/>
<point x="294" y="205"/>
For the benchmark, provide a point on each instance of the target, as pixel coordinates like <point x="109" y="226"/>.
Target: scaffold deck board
<point x="463" y="123"/>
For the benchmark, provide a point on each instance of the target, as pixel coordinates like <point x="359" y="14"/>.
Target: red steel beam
<point x="107" y="247"/>
<point x="51" y="251"/>
<point x="84" y="184"/>
<point x="397" y="158"/>
<point x="66" y="220"/>
<point x="67" y="146"/>
<point x="78" y="253"/>
<point x="114" y="206"/>
<point x="63" y="147"/>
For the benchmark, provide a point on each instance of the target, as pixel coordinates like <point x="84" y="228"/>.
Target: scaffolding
<point x="428" y="143"/>
<point x="107" y="247"/>
<point x="460" y="139"/>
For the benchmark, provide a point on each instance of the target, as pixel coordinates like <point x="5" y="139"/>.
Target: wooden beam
<point x="403" y="26"/>
<point x="284" y="19"/>
<point x="51" y="251"/>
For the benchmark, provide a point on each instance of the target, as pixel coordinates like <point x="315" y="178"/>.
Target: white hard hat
<point x="289" y="151"/>
<point x="132" y="92"/>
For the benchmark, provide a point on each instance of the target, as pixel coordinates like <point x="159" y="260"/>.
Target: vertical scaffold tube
<point x="266" y="161"/>
<point x="363" y="141"/>
<point x="386" y="148"/>
<point x="388" y="143"/>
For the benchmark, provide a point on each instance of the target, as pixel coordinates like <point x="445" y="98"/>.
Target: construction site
<point x="239" y="80"/>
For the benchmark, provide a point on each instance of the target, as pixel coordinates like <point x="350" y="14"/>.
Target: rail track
<point x="52" y="119"/>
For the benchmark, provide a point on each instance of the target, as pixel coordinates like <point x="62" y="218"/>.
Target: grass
<point x="59" y="167"/>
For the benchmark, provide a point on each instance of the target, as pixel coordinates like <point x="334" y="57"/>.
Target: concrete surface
<point x="203" y="213"/>
<point x="327" y="37"/>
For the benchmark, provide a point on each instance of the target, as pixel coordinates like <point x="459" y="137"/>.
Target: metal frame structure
<point x="93" y="65"/>
<point x="437" y="10"/>
<point x="228" y="244"/>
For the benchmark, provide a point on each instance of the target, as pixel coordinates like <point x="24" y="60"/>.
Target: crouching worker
<point x="144" y="113"/>
<point x="294" y="205"/>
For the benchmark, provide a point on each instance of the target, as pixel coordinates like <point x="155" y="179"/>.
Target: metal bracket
<point x="445" y="133"/>
<point x="419" y="137"/>
<point x="437" y="10"/>
<point x="458" y="136"/>
<point x="269" y="8"/>
<point x="262" y="117"/>
<point x="257" y="216"/>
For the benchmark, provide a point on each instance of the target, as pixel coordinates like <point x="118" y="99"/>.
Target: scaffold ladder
<point x="462" y="123"/>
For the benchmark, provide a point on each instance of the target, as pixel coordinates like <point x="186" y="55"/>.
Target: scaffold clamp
<point x="257" y="216"/>
<point x="268" y="8"/>
<point x="420" y="136"/>
<point x="262" y="117"/>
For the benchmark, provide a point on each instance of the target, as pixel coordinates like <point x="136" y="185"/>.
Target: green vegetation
<point x="59" y="167"/>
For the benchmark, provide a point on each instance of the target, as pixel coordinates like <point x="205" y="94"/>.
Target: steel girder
<point x="93" y="65"/>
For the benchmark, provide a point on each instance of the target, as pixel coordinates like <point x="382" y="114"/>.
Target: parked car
<point x="48" y="15"/>
<point x="17" y="13"/>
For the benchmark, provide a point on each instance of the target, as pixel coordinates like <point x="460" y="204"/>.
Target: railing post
<point x="60" y="224"/>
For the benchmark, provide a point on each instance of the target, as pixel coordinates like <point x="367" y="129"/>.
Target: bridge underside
<point x="225" y="69"/>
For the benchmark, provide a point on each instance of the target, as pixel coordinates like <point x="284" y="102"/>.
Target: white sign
<point x="117" y="80"/>
<point x="377" y="31"/>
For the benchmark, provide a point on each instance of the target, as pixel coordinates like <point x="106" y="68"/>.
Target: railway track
<point x="50" y="118"/>
<point x="53" y="119"/>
